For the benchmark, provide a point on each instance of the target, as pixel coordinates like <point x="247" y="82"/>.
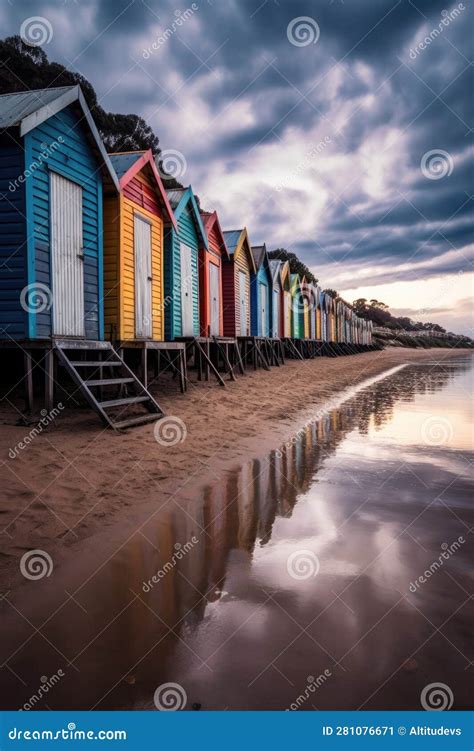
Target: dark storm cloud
<point x="366" y="63"/>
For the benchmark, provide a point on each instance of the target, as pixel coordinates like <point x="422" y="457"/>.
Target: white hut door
<point x="276" y="314"/>
<point x="143" y="279"/>
<point x="243" y="303"/>
<point x="67" y="258"/>
<point x="214" y="289"/>
<point x="287" y="298"/>
<point x="312" y="318"/>
<point x="263" y="310"/>
<point x="187" y="307"/>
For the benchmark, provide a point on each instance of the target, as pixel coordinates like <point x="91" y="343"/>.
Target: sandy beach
<point x="77" y="480"/>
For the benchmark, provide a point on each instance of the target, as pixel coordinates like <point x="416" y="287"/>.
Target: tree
<point x="296" y="266"/>
<point x="332" y="293"/>
<point x="22" y="66"/>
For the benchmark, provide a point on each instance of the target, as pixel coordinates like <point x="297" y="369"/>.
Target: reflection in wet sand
<point x="359" y="489"/>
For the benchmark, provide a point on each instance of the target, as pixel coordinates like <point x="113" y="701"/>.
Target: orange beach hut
<point x="133" y="250"/>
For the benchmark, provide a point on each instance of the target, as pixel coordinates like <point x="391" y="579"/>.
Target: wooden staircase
<point x="107" y="383"/>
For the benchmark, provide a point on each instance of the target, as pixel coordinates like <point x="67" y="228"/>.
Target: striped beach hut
<point x="323" y="316"/>
<point x="277" y="319"/>
<point x="134" y="250"/>
<point x="236" y="283"/>
<point x="53" y="172"/>
<point x="304" y="303"/>
<point x="286" y="307"/>
<point x="210" y="276"/>
<point x="261" y="293"/>
<point x="319" y="335"/>
<point x="297" y="319"/>
<point x="313" y="306"/>
<point x="182" y="241"/>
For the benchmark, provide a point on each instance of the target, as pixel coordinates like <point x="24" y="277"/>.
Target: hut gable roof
<point x="128" y="164"/>
<point x="276" y="269"/>
<point x="28" y="109"/>
<point x="295" y="281"/>
<point x="212" y="224"/>
<point x="285" y="274"/>
<point x="180" y="199"/>
<point x="261" y="259"/>
<point x="236" y="239"/>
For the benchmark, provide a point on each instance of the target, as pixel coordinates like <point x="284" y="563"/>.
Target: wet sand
<point x="77" y="480"/>
<point x="293" y="580"/>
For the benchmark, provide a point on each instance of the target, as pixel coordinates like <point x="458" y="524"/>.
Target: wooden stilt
<point x="29" y="396"/>
<point x="49" y="380"/>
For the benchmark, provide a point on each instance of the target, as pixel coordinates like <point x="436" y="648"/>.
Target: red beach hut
<point x="210" y="277"/>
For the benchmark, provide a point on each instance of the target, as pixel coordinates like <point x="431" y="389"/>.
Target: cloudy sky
<point x="339" y="130"/>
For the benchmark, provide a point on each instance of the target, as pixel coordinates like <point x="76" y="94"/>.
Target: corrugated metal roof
<point x="275" y="267"/>
<point x="258" y="254"/>
<point x="175" y="196"/>
<point x="122" y="162"/>
<point x="232" y="237"/>
<point x="15" y="107"/>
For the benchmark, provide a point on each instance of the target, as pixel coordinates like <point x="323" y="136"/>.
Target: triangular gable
<point x="285" y="275"/>
<point x="260" y="257"/>
<point x="294" y="282"/>
<point x="29" y="109"/>
<point x="240" y="239"/>
<point x="128" y="167"/>
<point x="211" y="222"/>
<point x="275" y="268"/>
<point x="188" y="198"/>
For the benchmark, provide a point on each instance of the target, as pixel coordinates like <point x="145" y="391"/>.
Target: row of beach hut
<point x="97" y="258"/>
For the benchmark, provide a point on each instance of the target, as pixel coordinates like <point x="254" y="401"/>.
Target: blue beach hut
<point x="182" y="245"/>
<point x="53" y="170"/>
<point x="261" y="293"/>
